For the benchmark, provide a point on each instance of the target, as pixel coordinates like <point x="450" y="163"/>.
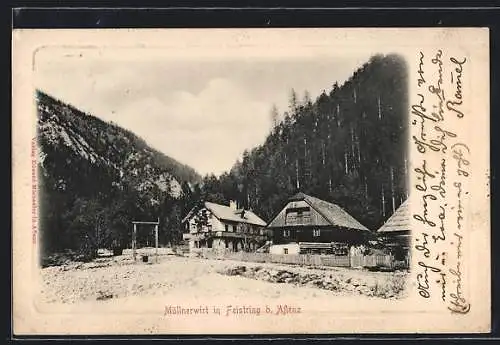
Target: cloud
<point x="202" y="113"/>
<point x="208" y="130"/>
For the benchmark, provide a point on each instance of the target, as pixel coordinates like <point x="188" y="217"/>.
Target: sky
<point x="201" y="112"/>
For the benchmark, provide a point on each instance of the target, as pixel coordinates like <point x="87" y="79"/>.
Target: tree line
<point x="348" y="146"/>
<point x="95" y="178"/>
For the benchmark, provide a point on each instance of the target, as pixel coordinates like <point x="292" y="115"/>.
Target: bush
<point x="88" y="250"/>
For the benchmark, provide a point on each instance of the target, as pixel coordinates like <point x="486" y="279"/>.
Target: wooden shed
<point x="395" y="233"/>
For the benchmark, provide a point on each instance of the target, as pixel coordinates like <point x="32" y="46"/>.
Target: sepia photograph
<point x="177" y="188"/>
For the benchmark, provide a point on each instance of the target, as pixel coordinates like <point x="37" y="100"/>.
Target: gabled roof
<point x="332" y="213"/>
<point x="223" y="212"/>
<point x="399" y="221"/>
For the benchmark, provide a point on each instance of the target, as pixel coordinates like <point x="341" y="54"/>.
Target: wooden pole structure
<point x="156" y="240"/>
<point x="134" y="238"/>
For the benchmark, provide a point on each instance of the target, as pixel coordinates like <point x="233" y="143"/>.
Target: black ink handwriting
<point x="423" y="279"/>
<point x="440" y="188"/>
<point x="458" y="303"/>
<point x="452" y="105"/>
<point x="458" y="155"/>
<point x="421" y="79"/>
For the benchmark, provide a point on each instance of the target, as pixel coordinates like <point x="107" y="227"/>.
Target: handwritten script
<point x="442" y="169"/>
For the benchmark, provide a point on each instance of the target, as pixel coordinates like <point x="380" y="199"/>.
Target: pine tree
<point x="356" y="130"/>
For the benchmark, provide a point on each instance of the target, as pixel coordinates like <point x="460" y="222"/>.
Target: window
<point x="227" y="227"/>
<point x="286" y="233"/>
<point x="285" y="250"/>
<point x="234" y="228"/>
<point x="316" y="232"/>
<point x="298" y="216"/>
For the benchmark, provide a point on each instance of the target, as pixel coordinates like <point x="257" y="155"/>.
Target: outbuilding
<point x="395" y="233"/>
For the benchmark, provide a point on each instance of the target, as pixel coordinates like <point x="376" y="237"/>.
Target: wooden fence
<point x="371" y="260"/>
<point x="386" y="261"/>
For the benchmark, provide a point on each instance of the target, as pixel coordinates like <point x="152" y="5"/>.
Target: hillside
<point x="348" y="147"/>
<point x="95" y="174"/>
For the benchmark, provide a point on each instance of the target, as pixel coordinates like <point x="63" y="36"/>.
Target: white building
<point x="223" y="227"/>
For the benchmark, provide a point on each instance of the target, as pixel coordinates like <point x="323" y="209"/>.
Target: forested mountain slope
<point x="348" y="147"/>
<point x="95" y="177"/>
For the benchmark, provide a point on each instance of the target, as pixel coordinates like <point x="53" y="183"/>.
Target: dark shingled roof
<point x="399" y="221"/>
<point x="334" y="214"/>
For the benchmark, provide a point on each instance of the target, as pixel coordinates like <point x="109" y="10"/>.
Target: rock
<point x="286" y="274"/>
<point x="317" y="282"/>
<point x="103" y="297"/>
<point x="238" y="270"/>
<point x="273" y="273"/>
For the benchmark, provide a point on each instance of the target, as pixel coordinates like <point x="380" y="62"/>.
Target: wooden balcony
<point x="294" y="219"/>
<point x="221" y="234"/>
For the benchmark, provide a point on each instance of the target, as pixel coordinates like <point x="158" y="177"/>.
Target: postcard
<point x="251" y="181"/>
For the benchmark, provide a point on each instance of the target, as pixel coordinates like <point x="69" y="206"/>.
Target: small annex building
<point x="395" y="233"/>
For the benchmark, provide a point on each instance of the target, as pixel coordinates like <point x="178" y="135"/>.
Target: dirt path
<point x="109" y="291"/>
<point x="118" y="278"/>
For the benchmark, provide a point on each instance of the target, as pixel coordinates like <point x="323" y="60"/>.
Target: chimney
<point x="232" y="205"/>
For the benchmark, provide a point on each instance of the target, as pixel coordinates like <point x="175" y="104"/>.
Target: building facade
<point x="218" y="227"/>
<point x="309" y="225"/>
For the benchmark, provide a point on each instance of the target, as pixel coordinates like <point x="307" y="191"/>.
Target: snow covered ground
<point x="108" y="294"/>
